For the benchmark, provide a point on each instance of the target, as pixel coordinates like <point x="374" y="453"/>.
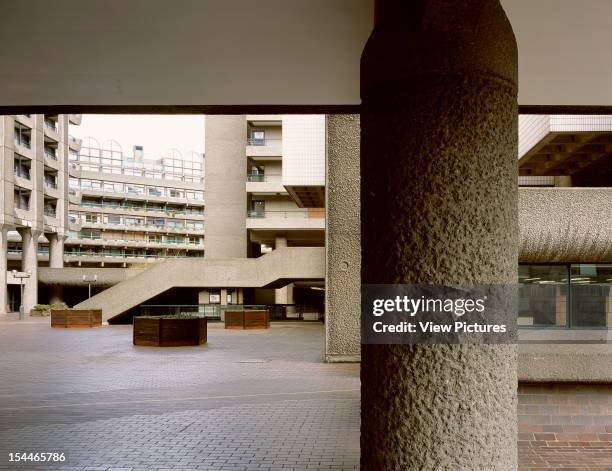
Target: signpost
<point x="21" y="275"/>
<point x="90" y="280"/>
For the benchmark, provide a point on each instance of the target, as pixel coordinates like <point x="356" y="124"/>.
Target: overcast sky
<point x="156" y="133"/>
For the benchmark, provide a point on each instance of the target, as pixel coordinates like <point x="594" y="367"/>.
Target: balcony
<point x="265" y="184"/>
<point x="292" y="219"/>
<point x="75" y="119"/>
<point x="51" y="153"/>
<point x="264" y="147"/>
<point x="23" y="145"/>
<point x="51" y="125"/>
<point x="75" y="143"/>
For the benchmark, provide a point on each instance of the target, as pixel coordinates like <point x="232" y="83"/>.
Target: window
<point x="591" y="295"/>
<point x="22" y="166"/>
<point x="175" y="193"/>
<point x="22" y="199"/>
<point x="575" y="296"/>
<point x="155" y="191"/>
<point x="258" y="137"/>
<point x="542" y="295"/>
<point x="23" y="136"/>
<point x="113" y="219"/>
<point x="50" y="180"/>
<point x="49" y="208"/>
<point x="92" y="218"/>
<point x="135" y="189"/>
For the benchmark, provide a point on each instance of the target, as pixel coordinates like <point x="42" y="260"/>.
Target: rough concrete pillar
<point x="3" y="267"/>
<point x="439" y="205"/>
<point x="226" y="202"/>
<point x="223" y="296"/>
<point x="280" y="242"/>
<point x="284" y="295"/>
<point x="29" y="264"/>
<point x="56" y="260"/>
<point x="342" y="240"/>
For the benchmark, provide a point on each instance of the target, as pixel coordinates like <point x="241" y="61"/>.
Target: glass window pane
<point x="591" y="298"/>
<point x="542" y="295"/>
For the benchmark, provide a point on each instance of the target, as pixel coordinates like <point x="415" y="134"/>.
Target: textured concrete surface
<point x="248" y="400"/>
<point x="565" y="225"/>
<point x="439" y="205"/>
<point x="288" y="263"/>
<point x="586" y="363"/>
<point x="226" y="205"/>
<point x="343" y="240"/>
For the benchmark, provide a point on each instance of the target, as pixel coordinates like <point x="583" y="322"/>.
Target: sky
<point x="156" y="133"/>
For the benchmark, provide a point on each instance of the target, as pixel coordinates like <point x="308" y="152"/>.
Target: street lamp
<point x="89" y="280"/>
<point x="21" y="275"/>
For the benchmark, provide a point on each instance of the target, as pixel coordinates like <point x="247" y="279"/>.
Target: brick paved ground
<point x="565" y="427"/>
<point x="247" y="400"/>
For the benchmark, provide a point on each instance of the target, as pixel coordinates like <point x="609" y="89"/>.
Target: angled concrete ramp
<point x="288" y="263"/>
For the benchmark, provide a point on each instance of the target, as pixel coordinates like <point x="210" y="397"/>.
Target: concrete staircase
<point x="275" y="268"/>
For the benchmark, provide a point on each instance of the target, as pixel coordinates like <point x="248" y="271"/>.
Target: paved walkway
<point x="247" y="400"/>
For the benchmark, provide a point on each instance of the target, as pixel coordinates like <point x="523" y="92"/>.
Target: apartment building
<point x="34" y="219"/>
<point x="127" y="210"/>
<point x="264" y="190"/>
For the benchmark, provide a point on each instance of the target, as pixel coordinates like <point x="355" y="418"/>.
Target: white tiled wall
<point x="304" y="150"/>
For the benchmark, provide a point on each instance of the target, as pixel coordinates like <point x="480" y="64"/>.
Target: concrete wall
<point x="343" y="241"/>
<point x="224" y="194"/>
<point x="565" y="225"/>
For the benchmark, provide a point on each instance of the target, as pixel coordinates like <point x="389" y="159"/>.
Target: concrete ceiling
<point x="268" y="52"/>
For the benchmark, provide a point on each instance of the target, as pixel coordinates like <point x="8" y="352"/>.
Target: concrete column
<point x="284" y="295"/>
<point x="3" y="268"/>
<point x="223" y="297"/>
<point x="342" y="240"/>
<point x="439" y="205"/>
<point x="29" y="263"/>
<point x="56" y="260"/>
<point x="240" y="295"/>
<point x="280" y="242"/>
<point x="225" y="194"/>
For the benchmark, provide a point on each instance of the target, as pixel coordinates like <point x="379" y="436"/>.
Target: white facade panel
<point x="303" y="150"/>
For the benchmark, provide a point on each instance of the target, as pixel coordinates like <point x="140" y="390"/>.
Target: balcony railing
<point x="22" y="172"/>
<point x="260" y="177"/>
<point x="251" y="141"/>
<point x="20" y="141"/>
<point x="50" y="184"/>
<point x="141" y="208"/>
<point x="294" y="214"/>
<point x="51" y="154"/>
<point x="125" y="255"/>
<point x="50" y="124"/>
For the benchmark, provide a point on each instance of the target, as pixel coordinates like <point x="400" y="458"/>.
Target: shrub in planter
<point x="40" y="310"/>
<point x="170" y="331"/>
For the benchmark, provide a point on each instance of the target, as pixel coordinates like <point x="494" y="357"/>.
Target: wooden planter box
<point x="170" y="332"/>
<point x="68" y="318"/>
<point x="247" y="319"/>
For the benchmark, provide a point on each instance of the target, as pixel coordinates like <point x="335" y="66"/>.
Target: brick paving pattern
<point x="565" y="427"/>
<point x="249" y="400"/>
